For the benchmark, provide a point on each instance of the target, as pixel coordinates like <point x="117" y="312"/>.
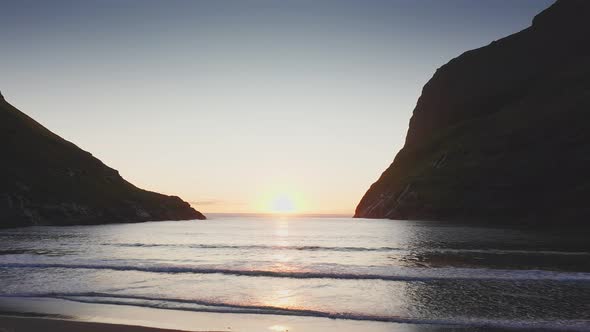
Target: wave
<point x="250" y="247"/>
<point x="221" y="307"/>
<point x="348" y="249"/>
<point x="387" y="274"/>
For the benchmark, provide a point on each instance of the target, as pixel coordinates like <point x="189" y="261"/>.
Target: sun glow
<point x="283" y="202"/>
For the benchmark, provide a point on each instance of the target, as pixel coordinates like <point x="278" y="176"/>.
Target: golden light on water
<point x="279" y="328"/>
<point x="282" y="232"/>
<point x="282" y="298"/>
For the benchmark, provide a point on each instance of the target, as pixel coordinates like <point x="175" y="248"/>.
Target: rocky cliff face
<point x="46" y="180"/>
<point x="500" y="133"/>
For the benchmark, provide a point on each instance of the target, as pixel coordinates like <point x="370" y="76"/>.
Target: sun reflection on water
<point x="282" y="229"/>
<point x="282" y="298"/>
<point x="279" y="328"/>
<point x="281" y="239"/>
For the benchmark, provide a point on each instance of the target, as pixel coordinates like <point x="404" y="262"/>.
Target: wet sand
<point x="57" y="315"/>
<point x="34" y="324"/>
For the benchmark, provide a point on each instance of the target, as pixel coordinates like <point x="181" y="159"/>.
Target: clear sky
<point x="239" y="106"/>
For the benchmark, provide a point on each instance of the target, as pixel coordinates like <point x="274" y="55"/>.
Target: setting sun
<point x="282" y="204"/>
<point x="282" y="201"/>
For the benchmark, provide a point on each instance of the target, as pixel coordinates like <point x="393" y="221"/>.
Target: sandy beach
<point x="26" y="324"/>
<point x="34" y="314"/>
<point x="19" y="314"/>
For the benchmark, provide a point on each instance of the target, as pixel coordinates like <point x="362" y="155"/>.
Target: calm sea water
<point x="393" y="271"/>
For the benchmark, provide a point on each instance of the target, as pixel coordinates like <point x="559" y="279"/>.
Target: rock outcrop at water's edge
<point x="500" y="133"/>
<point x="46" y="180"/>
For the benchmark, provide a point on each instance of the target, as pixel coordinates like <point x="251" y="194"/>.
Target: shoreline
<point x="62" y="315"/>
<point x="33" y="314"/>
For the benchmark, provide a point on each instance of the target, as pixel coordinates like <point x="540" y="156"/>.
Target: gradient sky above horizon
<point x="229" y="103"/>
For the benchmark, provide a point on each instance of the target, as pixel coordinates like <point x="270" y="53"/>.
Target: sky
<point x="240" y="106"/>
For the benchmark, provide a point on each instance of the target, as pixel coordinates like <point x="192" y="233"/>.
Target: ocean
<point x="375" y="273"/>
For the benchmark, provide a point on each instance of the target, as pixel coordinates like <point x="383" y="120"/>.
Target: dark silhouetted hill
<point x="500" y="133"/>
<point x="46" y="180"/>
